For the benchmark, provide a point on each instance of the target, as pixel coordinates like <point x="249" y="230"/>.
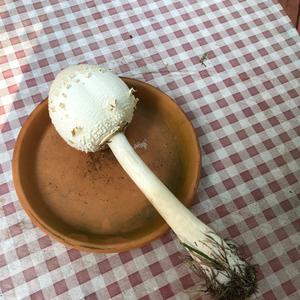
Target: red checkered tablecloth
<point x="244" y="105"/>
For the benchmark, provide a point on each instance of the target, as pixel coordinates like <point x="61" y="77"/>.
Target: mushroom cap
<point x="88" y="104"/>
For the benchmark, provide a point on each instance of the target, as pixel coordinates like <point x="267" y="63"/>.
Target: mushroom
<point x="99" y="106"/>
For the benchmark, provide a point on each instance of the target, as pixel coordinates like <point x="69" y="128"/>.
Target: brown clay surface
<point x="87" y="200"/>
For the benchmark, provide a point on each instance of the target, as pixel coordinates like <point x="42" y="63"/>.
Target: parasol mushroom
<point x="90" y="107"/>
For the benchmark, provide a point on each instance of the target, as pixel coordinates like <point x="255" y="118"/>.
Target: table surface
<point x="244" y="104"/>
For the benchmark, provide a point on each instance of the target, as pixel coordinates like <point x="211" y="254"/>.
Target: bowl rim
<point x="87" y="245"/>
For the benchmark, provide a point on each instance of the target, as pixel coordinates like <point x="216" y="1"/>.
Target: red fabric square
<point x="179" y="66"/>
<point x="37" y="296"/>
<point x="196" y="94"/>
<point x="6" y="285"/>
<point x="291" y="178"/>
<point x="156" y="269"/>
<point x="203" y="73"/>
<point x="31" y="82"/>
<point x="294" y="255"/>
<point x="83" y="276"/>
<point x="229" y="184"/>
<point x="284" y="137"/>
<point x="104" y="266"/>
<point x="75" y="8"/>
<point x="242" y="134"/>
<point x="278" y="99"/>
<point x="281" y="234"/>
<point x="15" y="230"/>
<point x="273" y="121"/>
<point x="213" y="88"/>
<point x="218" y="165"/>
<point x="239" y="202"/>
<point x="228" y="82"/>
<point x="22" y="251"/>
<point x="60" y="287"/>
<point x="9" y="208"/>
<point x="286" y="205"/>
<point x="186" y="281"/>
<point x="208" y="148"/>
<point x="275" y="264"/>
<point x="274" y="186"/>
<point x="135" y="279"/>
<point x="253" y="91"/>
<point x="235" y="158"/>
<point x="251" y="222"/>
<point x="52" y="263"/>
<point x="248" y="112"/>
<point x="269" y="296"/>
<point x="206" y="109"/>
<point x="244" y="76"/>
<point x="289" y="114"/>
<point x="222" y="211"/>
<point x="295" y="153"/>
<point x="289" y="287"/>
<point x="257" y="194"/>
<point x="44" y="242"/>
<point x="186" y="47"/>
<point x="188" y="79"/>
<point x="225" y="141"/>
<point x="230" y="31"/>
<point x="166" y="291"/>
<point x="175" y="259"/>
<point x="263" y="243"/>
<point x="49" y="77"/>
<point x="249" y="57"/>
<point x="145" y="298"/>
<point x="12" y="89"/>
<point x="9" y="145"/>
<point x="232" y="118"/>
<point x="233" y="231"/>
<point x="219" y="68"/>
<point x="246" y="176"/>
<point x="60" y="56"/>
<point x="269" y="214"/>
<point x="258" y="71"/>
<point x="29" y="274"/>
<point x="258" y="128"/>
<point x="92" y="296"/>
<point x="263" y="106"/>
<point x="225" y="49"/>
<point x="74" y="254"/>
<point x="263" y="168"/>
<point x="125" y="257"/>
<point x="7" y="73"/>
<point x="114" y="289"/>
<point x="211" y="191"/>
<point x="272" y="65"/>
<point x="25" y="68"/>
<point x="234" y="62"/>
<point x="263" y="52"/>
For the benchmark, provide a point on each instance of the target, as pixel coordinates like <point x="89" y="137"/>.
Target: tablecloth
<point x="243" y="101"/>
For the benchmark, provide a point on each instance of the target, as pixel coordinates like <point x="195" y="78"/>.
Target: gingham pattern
<point x="244" y="105"/>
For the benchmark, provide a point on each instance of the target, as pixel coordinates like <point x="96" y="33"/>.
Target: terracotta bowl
<point x="87" y="201"/>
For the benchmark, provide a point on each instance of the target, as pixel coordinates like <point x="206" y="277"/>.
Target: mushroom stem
<point x="214" y="258"/>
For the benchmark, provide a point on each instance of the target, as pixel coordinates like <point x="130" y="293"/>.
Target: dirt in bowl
<point x="92" y="193"/>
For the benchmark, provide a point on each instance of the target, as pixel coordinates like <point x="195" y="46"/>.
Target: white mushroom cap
<point x="88" y="104"/>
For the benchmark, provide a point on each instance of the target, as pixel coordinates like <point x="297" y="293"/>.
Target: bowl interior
<point x="87" y="201"/>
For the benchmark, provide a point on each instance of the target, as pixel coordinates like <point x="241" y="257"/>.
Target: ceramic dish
<point x="87" y="201"/>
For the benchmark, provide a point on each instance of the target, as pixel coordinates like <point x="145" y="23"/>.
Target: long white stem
<point x="187" y="227"/>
